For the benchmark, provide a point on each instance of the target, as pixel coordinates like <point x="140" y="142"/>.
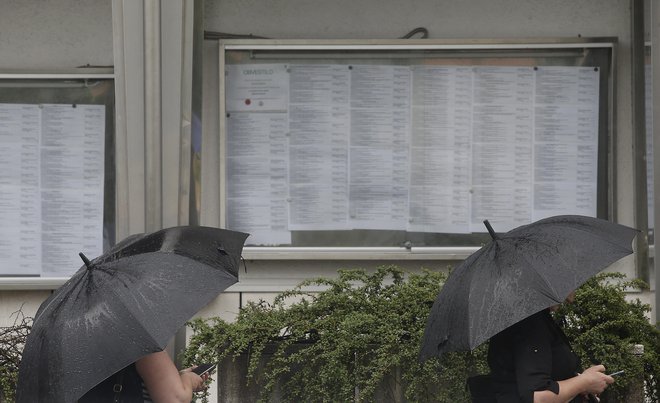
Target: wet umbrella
<point x="517" y="274"/>
<point x="123" y="305"/>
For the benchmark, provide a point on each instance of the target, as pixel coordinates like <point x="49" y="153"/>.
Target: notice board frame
<point x="93" y="85"/>
<point x="543" y="51"/>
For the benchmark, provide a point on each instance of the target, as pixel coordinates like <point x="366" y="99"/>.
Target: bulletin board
<point x="411" y="143"/>
<point x="57" y="182"/>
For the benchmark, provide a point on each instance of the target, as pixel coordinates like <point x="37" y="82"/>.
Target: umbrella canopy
<point x="123" y="305"/>
<point x="517" y="274"/>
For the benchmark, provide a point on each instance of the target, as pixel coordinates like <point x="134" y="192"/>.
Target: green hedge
<point x="364" y="327"/>
<point x="603" y="326"/>
<point x="12" y="340"/>
<point x="349" y="337"/>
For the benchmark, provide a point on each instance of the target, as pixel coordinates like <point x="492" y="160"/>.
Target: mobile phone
<point x="202" y="369"/>
<point x="617" y="373"/>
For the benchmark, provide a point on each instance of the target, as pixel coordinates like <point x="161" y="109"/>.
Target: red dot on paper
<point x="248" y="102"/>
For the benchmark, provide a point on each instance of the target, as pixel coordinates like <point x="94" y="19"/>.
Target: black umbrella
<point x="517" y="274"/>
<point x="123" y="305"/>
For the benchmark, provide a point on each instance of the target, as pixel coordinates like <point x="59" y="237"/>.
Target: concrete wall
<point x="60" y="34"/>
<point x="388" y="19"/>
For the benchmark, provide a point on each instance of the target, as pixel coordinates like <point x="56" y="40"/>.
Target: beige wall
<point x="14" y="302"/>
<point x="58" y="34"/>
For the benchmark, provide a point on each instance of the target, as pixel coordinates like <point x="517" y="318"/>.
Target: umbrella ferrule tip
<point x="490" y="229"/>
<point x="88" y="264"/>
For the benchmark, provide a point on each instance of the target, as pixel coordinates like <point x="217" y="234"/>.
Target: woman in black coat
<point x="532" y="362"/>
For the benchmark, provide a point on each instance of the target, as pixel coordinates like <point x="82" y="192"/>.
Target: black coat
<point x="126" y="386"/>
<point x="530" y="356"/>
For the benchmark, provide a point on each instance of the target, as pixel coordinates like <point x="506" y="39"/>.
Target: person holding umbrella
<point x="152" y="378"/>
<point x="532" y="361"/>
<point x="504" y="293"/>
<point x="105" y="330"/>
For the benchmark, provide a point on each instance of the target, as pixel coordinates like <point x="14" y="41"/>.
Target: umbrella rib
<point x="73" y="281"/>
<point x="605" y="239"/>
<point x="113" y="292"/>
<point x="541" y="276"/>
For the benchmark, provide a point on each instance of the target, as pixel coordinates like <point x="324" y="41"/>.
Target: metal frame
<point x="63" y="76"/>
<point x="394" y="253"/>
<point x="639" y="139"/>
<point x="48" y="283"/>
<point x="655" y="62"/>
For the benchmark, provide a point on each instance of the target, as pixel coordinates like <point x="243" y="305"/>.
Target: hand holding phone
<point x="204" y="368"/>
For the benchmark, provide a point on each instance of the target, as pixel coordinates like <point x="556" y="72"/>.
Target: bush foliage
<point x="12" y="340"/>
<point x="349" y="337"/>
<point x="603" y="326"/>
<point x="342" y="343"/>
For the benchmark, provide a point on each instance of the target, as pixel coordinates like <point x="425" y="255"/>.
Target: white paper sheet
<point x="57" y="170"/>
<point x="441" y="149"/>
<point x="565" y="141"/>
<point x="257" y="162"/>
<point x="257" y="88"/>
<point x="502" y="132"/>
<point x="427" y="148"/>
<point x="20" y="203"/>
<point x="379" y="135"/>
<point x="319" y="119"/>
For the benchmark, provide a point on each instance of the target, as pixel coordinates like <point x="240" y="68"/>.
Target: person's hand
<point x="198" y="382"/>
<point x="595" y="379"/>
